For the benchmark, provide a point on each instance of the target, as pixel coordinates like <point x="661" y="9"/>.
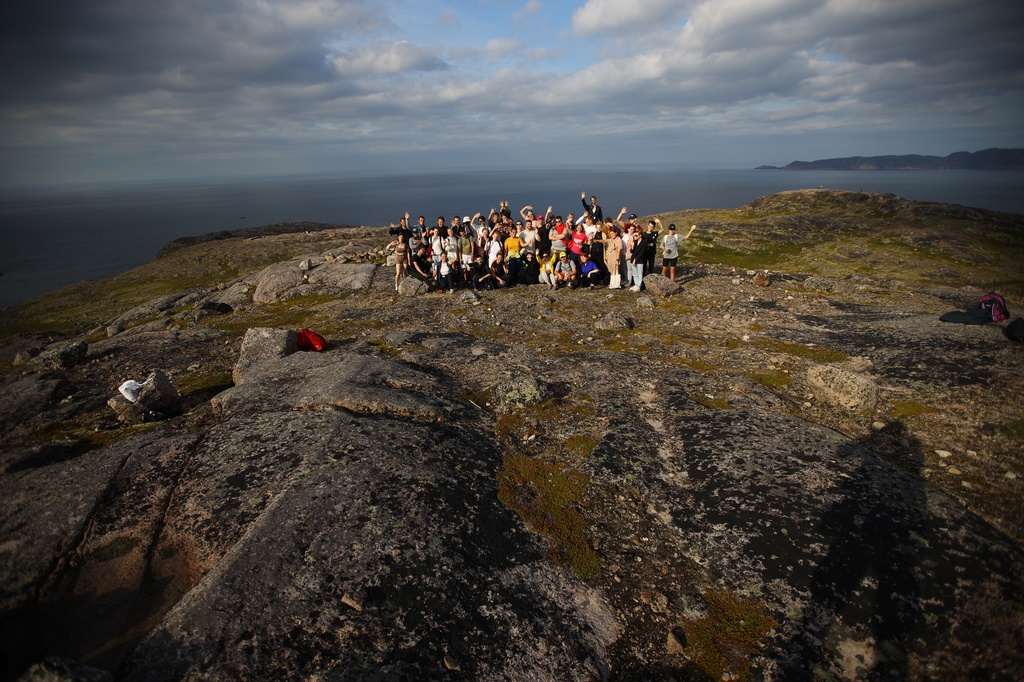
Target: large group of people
<point x="497" y="251"/>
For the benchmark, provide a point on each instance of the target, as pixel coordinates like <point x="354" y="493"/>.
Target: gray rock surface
<point x="683" y="503"/>
<point x="848" y="390"/>
<point x="661" y="285"/>
<point x="64" y="356"/>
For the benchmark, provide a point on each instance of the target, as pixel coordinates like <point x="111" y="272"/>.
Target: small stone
<point x="451" y="664"/>
<point x="1010" y="475"/>
<point x="972" y="453"/>
<point x="675" y="642"/>
<point x="349" y="601"/>
<point x="944" y="454"/>
<point x="878" y="426"/>
<point x="762" y="280"/>
<point x="953" y="470"/>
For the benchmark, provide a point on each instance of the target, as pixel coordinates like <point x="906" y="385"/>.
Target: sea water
<point x="53" y="237"/>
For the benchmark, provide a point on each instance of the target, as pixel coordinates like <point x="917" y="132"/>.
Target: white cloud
<point x="624" y="15"/>
<point x="383" y="59"/>
<point x="531" y="7"/>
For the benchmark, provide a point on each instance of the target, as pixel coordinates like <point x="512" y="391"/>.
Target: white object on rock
<point x="130" y="390"/>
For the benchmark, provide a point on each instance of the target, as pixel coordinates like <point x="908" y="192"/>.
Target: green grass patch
<point x="711" y="403"/>
<point x="725" y="640"/>
<point x="1014" y="428"/>
<point x="766" y="256"/>
<point x="909" y="408"/>
<point x="578" y="444"/>
<point x="776" y="381"/>
<point x="550" y="500"/>
<point x="203" y="382"/>
<point x="508" y="425"/>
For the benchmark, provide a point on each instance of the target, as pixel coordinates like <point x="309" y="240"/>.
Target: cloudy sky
<point x="140" y="89"/>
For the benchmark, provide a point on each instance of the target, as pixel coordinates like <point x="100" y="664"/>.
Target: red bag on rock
<point x="310" y="340"/>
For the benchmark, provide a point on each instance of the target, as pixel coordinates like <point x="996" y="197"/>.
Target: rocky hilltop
<point x="781" y="467"/>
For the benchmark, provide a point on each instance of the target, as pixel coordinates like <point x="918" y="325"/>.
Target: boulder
<point x="519" y="391"/>
<point x="261" y="345"/>
<point x="840" y="387"/>
<point x="208" y="309"/>
<point x="274" y="282"/>
<point x="64" y="356"/>
<point x="411" y="286"/>
<point x="661" y="285"/>
<point x="156" y="399"/>
<point x="613" y="321"/>
<point x="343" y="275"/>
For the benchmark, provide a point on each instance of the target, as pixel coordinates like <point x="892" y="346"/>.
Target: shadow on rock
<point x="868" y="575"/>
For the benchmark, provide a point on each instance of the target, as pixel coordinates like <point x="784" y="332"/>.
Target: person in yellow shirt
<point x="513" y="253"/>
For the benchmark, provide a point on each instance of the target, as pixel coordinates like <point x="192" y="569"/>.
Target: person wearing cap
<point x="565" y="271"/>
<point x="546" y="275"/>
<point x="590" y="273"/>
<point x="670" y="251"/>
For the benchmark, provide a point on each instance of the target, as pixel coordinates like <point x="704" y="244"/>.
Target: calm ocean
<point x="54" y="237"/>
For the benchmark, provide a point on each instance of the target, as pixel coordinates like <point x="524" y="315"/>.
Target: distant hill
<point x="986" y="159"/>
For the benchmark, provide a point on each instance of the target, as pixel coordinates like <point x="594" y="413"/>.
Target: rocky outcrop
<point x="809" y="479"/>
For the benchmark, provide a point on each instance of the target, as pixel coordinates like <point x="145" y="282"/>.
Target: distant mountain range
<point x="986" y="159"/>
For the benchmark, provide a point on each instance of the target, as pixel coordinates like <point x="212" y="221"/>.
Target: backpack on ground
<point x="310" y="340"/>
<point x="1015" y="330"/>
<point x="996" y="307"/>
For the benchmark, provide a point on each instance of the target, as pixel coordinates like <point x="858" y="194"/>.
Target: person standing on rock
<point x="402" y="256"/>
<point x="592" y="209"/>
<point x="651" y="236"/>
<point x="613" y="255"/>
<point x="670" y="251"/>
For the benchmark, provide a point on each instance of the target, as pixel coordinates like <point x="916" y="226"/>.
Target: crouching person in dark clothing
<point x="481" y="274"/>
<point x="529" y="271"/>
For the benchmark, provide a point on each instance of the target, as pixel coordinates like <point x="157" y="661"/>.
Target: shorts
<point x="467" y="259"/>
<point x="669" y="262"/>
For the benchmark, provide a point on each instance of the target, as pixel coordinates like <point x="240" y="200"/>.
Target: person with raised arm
<point x="592" y="209"/>
<point x="670" y="251"/>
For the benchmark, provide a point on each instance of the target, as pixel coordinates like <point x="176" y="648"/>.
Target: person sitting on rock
<point x="565" y="271"/>
<point x="421" y="265"/>
<point x="590" y="273"/>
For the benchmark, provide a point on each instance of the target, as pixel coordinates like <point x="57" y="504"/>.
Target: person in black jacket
<point x="529" y="270"/>
<point x="592" y="209"/>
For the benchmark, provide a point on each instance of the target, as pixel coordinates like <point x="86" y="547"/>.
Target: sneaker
<point x="592" y="287"/>
<point x="634" y="288"/>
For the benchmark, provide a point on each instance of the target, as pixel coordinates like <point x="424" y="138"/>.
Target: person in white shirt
<point x="670" y="251"/>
